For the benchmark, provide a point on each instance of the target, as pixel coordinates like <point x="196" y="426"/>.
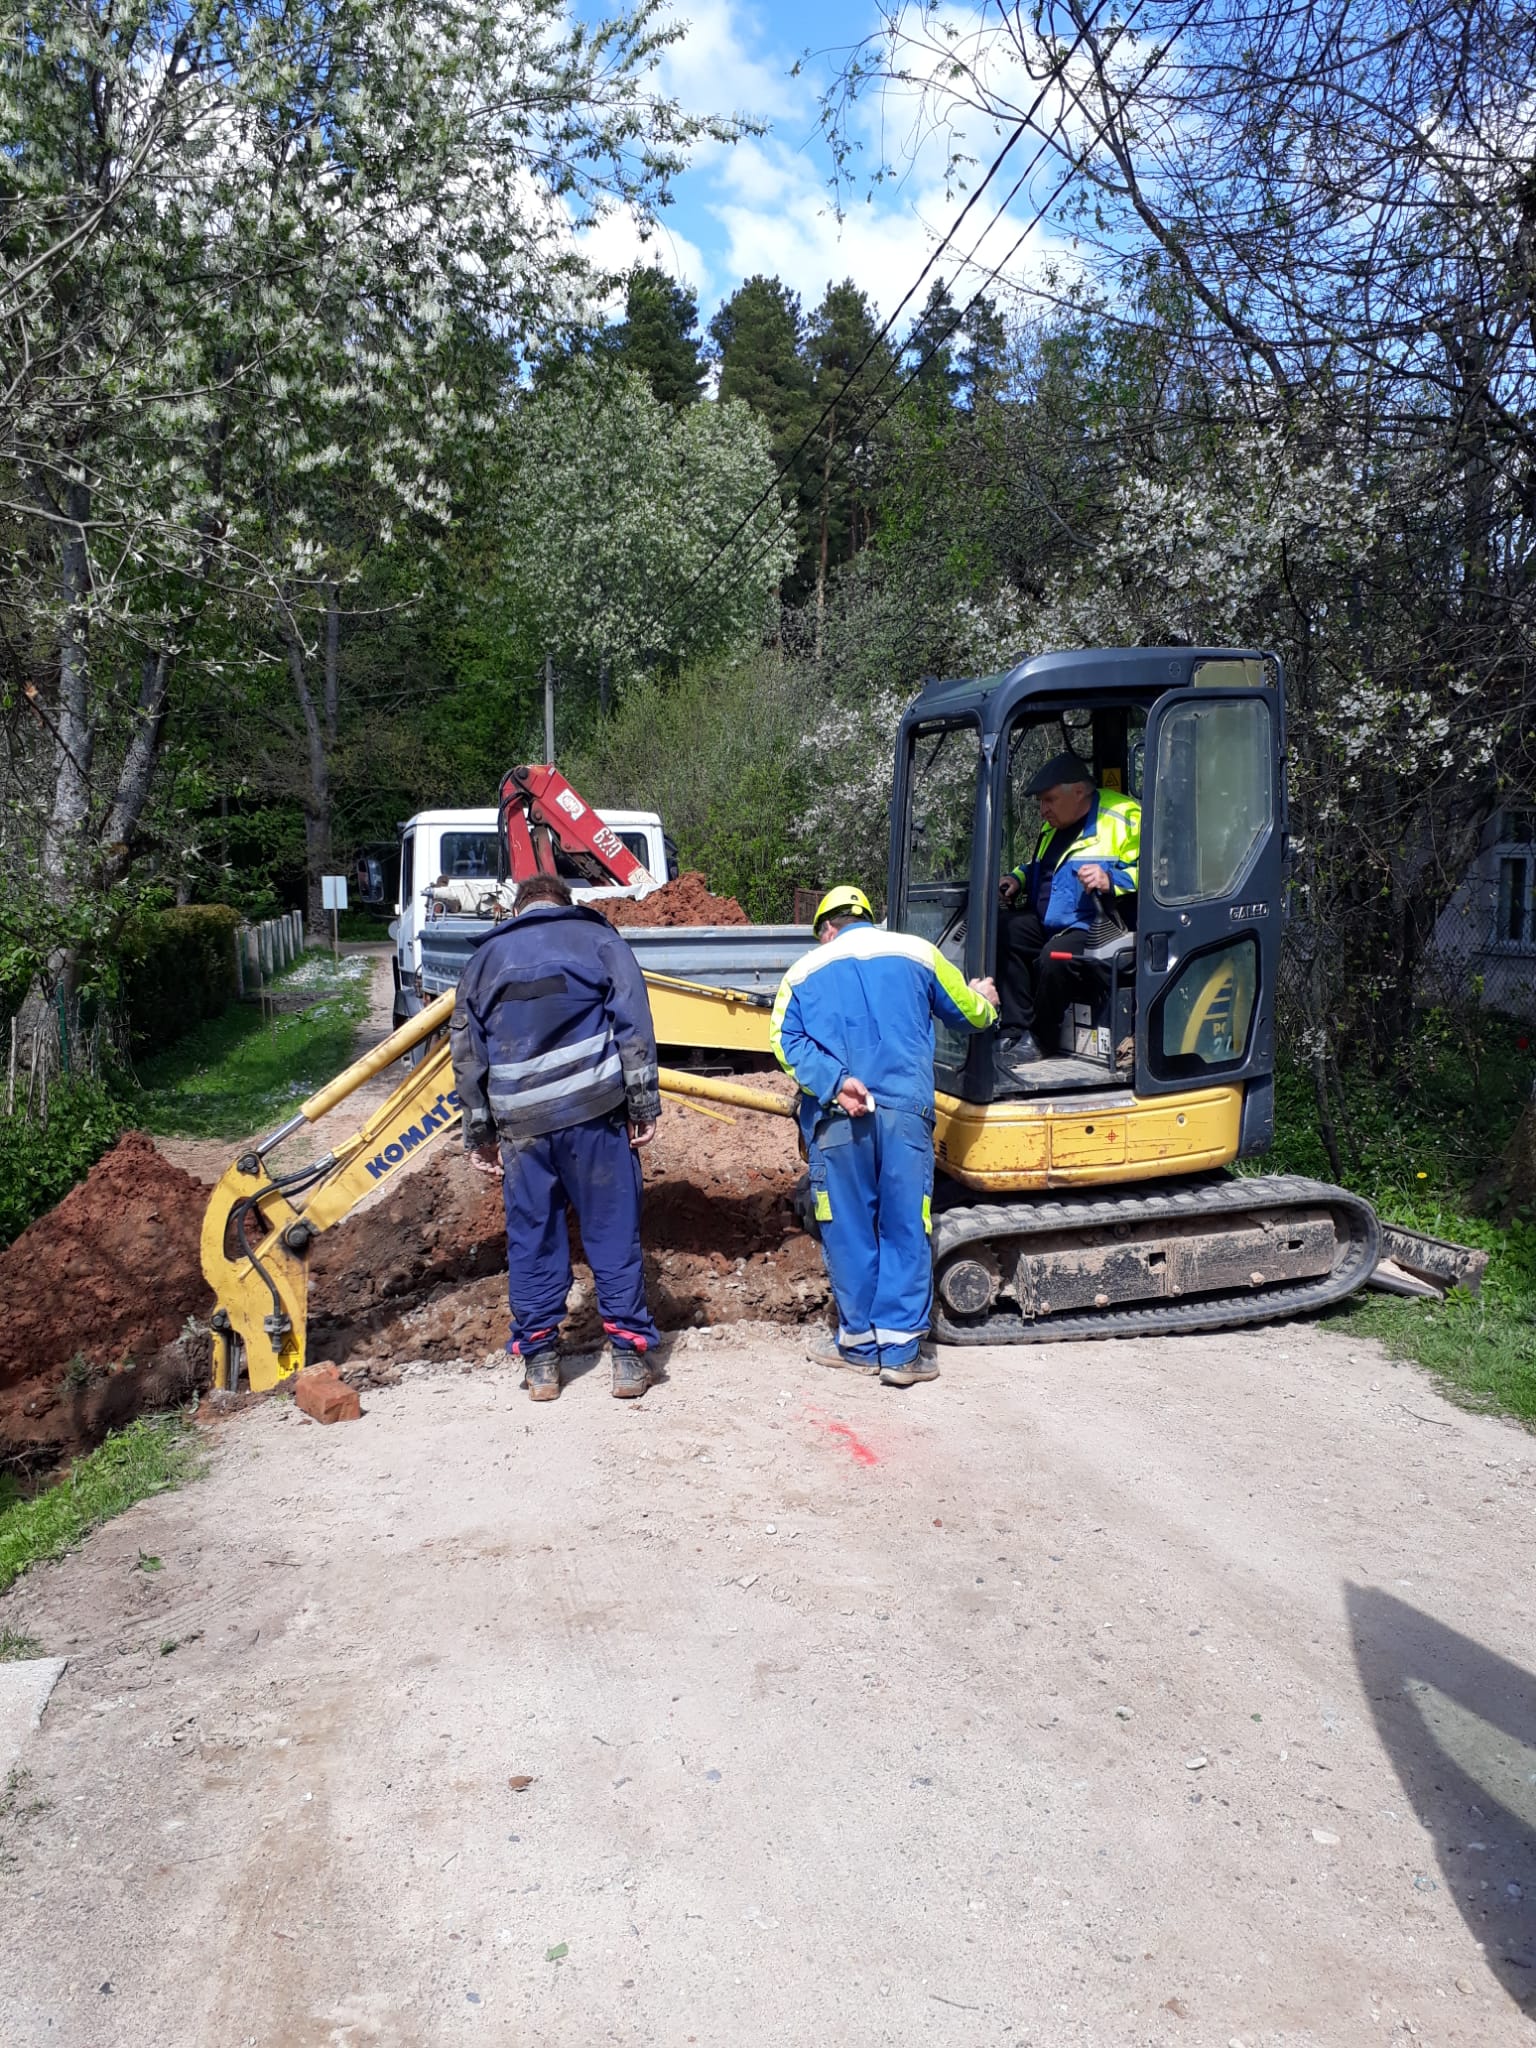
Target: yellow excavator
<point x="1090" y="1195"/>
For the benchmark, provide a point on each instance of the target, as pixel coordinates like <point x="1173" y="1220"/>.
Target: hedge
<point x="178" y="967"/>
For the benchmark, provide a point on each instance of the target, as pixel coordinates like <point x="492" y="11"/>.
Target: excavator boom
<point x="261" y="1223"/>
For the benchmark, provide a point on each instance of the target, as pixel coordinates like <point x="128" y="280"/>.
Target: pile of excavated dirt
<point x="96" y="1295"/>
<point x="685" y="901"/>
<point x="422" y="1273"/>
<point x="99" y="1291"/>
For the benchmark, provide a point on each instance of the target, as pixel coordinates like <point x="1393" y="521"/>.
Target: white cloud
<point x="715" y="68"/>
<point x="777" y="217"/>
<point x="617" y="244"/>
<point x="766" y="204"/>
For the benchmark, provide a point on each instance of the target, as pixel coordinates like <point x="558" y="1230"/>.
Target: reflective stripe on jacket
<point x="1109" y="836"/>
<point x="864" y="1004"/>
<point x="552" y="1027"/>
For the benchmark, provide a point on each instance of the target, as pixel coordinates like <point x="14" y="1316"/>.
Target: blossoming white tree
<point x="241" y="245"/>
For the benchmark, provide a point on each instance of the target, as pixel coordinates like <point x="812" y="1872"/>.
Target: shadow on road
<point x="1459" y="1724"/>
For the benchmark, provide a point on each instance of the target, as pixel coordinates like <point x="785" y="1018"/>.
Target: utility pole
<point x="549" y="709"/>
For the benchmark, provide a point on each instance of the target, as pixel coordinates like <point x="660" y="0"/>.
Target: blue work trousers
<point x="593" y="1169"/>
<point x="872" y="1179"/>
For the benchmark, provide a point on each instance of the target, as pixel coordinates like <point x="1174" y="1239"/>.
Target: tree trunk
<point x="73" y="736"/>
<point x="138" y="769"/>
<point x="315" y="801"/>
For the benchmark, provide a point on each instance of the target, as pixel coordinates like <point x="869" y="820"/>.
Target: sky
<point x="766" y="203"/>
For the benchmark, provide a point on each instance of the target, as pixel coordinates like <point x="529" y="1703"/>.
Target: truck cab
<point x="465" y="846"/>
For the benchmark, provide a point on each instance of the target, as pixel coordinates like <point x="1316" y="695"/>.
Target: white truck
<point x="462" y="847"/>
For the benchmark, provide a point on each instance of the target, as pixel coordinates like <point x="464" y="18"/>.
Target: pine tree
<point x="659" y="336"/>
<point x="759" y="336"/>
<point x="983" y="353"/>
<point x="930" y="348"/>
<point x="853" y="383"/>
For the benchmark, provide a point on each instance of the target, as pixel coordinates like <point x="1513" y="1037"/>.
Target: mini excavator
<point x="1089" y="1196"/>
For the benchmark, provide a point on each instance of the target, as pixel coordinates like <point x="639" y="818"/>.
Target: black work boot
<point x="541" y="1376"/>
<point x="631" y="1375"/>
<point x="1019" y="1049"/>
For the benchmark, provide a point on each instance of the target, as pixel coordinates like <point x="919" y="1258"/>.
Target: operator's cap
<point x="1060" y="768"/>
<point x="847" y="899"/>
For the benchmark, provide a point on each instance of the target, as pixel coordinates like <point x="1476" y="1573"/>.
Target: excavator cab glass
<point x="940" y="818"/>
<point x="1183" y="987"/>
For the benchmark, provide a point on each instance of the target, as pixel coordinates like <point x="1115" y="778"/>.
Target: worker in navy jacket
<point x="554" y="1059"/>
<point x="853" y="1023"/>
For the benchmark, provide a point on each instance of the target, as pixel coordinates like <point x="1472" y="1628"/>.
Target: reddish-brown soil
<point x="95" y="1292"/>
<point x="422" y="1275"/>
<point x="685" y="901"/>
<point x="100" y="1290"/>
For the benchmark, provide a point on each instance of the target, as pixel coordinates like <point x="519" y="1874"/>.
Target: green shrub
<point x="39" y="1165"/>
<point x="367" y="925"/>
<point x="178" y="968"/>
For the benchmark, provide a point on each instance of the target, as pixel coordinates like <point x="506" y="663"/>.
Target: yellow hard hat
<point x="845" y="898"/>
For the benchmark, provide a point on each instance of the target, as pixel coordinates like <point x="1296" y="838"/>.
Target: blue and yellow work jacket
<point x="864" y="1004"/>
<point x="1110" y="836"/>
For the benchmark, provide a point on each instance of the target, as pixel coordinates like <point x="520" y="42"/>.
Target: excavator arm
<point x="261" y="1222"/>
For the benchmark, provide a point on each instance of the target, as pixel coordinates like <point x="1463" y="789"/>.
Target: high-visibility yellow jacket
<point x="1109" y="837"/>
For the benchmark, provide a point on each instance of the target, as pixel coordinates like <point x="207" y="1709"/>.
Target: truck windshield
<point x="468" y="856"/>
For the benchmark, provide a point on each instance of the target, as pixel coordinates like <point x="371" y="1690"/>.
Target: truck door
<point x="408" y="910"/>
<point x="1208" y="940"/>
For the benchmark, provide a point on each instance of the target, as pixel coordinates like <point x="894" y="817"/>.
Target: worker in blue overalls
<point x="554" y="1060"/>
<point x="853" y="1024"/>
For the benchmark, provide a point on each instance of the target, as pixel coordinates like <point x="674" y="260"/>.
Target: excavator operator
<point x="1088" y="851"/>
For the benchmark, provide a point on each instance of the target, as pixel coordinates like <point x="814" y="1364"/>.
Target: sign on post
<point x="333" y="897"/>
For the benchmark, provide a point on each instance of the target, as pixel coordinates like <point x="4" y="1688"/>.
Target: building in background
<point x="1485" y="938"/>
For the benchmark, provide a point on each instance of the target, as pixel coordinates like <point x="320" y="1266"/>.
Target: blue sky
<point x="765" y="204"/>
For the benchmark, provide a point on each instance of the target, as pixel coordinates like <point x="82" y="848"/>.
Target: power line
<point x="942" y="341"/>
<point x="782" y="471"/>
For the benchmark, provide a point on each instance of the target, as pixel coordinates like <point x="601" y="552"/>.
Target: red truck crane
<point x="540" y="814"/>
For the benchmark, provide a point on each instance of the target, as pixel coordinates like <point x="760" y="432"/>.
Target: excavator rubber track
<point x="1221" y="1250"/>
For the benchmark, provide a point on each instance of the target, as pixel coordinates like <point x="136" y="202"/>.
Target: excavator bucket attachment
<point x="260" y="1224"/>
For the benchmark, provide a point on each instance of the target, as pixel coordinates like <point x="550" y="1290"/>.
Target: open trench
<point x="422" y="1273"/>
<point x="106" y="1301"/>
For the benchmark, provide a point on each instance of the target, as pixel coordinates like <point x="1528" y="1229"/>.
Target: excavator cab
<point x="1186" y="990"/>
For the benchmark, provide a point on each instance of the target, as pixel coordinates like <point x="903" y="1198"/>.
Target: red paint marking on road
<point x="858" y="1450"/>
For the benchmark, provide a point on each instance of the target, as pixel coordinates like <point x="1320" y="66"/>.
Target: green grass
<point x="16" y="1647"/>
<point x="237" y="1073"/>
<point x="150" y="1456"/>
<point x="1425" y="1151"/>
<point x="366" y="925"/>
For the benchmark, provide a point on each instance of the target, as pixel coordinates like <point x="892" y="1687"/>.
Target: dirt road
<point x="1116" y="1694"/>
